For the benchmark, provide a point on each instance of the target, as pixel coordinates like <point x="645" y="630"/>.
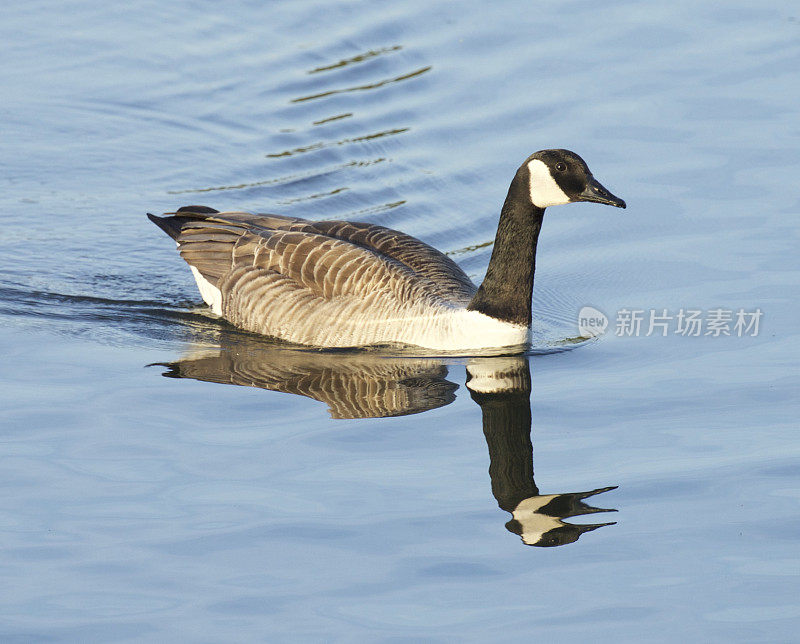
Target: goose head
<point x="557" y="177"/>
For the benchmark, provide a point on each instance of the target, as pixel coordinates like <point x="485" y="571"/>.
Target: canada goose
<point x="347" y="284"/>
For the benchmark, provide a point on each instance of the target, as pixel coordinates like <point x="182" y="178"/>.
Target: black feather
<point x="170" y="225"/>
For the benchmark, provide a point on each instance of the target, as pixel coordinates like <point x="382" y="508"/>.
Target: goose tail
<point x="172" y="225"/>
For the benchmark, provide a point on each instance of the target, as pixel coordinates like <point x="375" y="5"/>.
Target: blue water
<point x="138" y="507"/>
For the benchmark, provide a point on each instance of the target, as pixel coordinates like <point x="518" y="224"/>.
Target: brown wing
<point x="206" y="241"/>
<point x="450" y="281"/>
<point x="301" y="282"/>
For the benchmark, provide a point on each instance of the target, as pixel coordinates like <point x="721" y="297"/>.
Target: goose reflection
<point x="502" y="388"/>
<point x="353" y="385"/>
<point x="363" y="385"/>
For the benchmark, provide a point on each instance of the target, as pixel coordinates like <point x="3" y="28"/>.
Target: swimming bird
<point x="350" y="284"/>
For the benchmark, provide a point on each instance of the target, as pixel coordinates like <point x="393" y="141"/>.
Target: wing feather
<point x="423" y="259"/>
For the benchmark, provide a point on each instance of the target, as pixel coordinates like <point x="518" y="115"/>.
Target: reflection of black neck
<point x="507" y="428"/>
<point x="507" y="289"/>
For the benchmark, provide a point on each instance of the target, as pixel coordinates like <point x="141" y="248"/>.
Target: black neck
<point x="507" y="289"/>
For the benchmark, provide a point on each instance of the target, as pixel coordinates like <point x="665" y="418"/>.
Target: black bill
<point x="598" y="194"/>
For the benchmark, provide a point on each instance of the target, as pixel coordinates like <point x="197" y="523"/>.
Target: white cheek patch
<point x="544" y="189"/>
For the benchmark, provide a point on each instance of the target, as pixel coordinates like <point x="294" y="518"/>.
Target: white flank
<point x="544" y="189"/>
<point x="211" y="294"/>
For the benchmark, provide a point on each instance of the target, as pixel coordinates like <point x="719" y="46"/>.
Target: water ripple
<point x="338" y="117"/>
<point x="323" y="144"/>
<point x="368" y="86"/>
<point x="288" y="179"/>
<point x="360" y="58"/>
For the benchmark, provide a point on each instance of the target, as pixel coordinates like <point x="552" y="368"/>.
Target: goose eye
<point x="561" y="166"/>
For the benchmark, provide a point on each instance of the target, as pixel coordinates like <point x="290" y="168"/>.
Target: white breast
<point x="454" y="330"/>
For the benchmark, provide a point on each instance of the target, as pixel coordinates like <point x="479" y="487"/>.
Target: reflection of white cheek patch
<point x="544" y="189"/>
